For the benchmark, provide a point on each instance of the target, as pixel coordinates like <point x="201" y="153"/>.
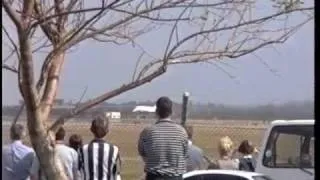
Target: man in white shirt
<point x="67" y="155"/>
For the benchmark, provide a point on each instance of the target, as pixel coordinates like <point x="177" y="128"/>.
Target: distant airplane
<point x="144" y="109"/>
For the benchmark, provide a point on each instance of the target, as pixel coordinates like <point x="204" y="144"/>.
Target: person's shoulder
<point x="181" y="130"/>
<point x="111" y="145"/>
<point x="73" y="151"/>
<point x="27" y="148"/>
<point x="84" y="146"/>
<point x="64" y="148"/>
<point x="147" y="129"/>
<point x="196" y="148"/>
<point x="247" y="159"/>
<point x="236" y="160"/>
<point x="179" y="126"/>
<point x="114" y="147"/>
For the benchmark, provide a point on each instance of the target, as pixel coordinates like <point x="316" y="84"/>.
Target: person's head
<point x="225" y="146"/>
<point x="164" y="107"/>
<point x="75" y="141"/>
<point x="17" y="132"/>
<point x="60" y="134"/>
<point x="189" y="130"/>
<point x="246" y="147"/>
<point x="100" y="126"/>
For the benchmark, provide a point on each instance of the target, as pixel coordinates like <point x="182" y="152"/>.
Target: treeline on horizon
<point x="289" y="110"/>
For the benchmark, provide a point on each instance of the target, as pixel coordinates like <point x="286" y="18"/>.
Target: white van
<point x="287" y="151"/>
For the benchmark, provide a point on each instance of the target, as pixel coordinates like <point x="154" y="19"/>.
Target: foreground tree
<point x="216" y="31"/>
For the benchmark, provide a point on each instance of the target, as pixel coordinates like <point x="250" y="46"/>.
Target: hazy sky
<point x="104" y="67"/>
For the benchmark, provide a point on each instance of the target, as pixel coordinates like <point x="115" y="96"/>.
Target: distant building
<point x="144" y="112"/>
<point x="150" y="109"/>
<point x="113" y="115"/>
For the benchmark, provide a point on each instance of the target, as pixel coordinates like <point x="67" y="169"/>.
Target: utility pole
<point x="185" y="99"/>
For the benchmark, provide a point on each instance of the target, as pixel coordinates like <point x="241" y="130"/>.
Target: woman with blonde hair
<point x="226" y="150"/>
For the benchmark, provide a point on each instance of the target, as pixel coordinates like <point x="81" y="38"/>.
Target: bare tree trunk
<point x="38" y="110"/>
<point x="44" y="145"/>
<point x="42" y="139"/>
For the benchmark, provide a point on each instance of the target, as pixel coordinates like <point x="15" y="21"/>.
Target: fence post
<point x="185" y="99"/>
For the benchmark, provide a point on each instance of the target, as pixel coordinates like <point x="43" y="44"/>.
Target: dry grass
<point x="125" y="136"/>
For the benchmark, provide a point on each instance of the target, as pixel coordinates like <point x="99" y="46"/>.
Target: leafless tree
<point x="200" y="31"/>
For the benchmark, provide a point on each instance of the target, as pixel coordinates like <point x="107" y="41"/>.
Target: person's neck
<point x="16" y="141"/>
<point x="98" y="139"/>
<point x="59" y="142"/>
<point x="226" y="157"/>
<point x="247" y="155"/>
<point x="164" y="119"/>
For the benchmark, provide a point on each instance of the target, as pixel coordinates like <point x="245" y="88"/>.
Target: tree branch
<point x="92" y="102"/>
<point x="259" y="20"/>
<point x="12" y="69"/>
<point x="51" y="84"/>
<point x="174" y="28"/>
<point x="150" y="18"/>
<point x="81" y="97"/>
<point x="12" y="14"/>
<point x="16" y="118"/>
<point x="27" y="12"/>
<point x="47" y="27"/>
<point x="16" y="49"/>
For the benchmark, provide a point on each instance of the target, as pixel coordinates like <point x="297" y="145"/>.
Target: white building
<point x="113" y="115"/>
<point x="150" y="109"/>
<point x="144" y="112"/>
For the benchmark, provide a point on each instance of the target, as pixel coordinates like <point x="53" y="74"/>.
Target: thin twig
<point x="12" y="14"/>
<point x="12" y="41"/>
<point x="136" y="66"/>
<point x="12" y="69"/>
<point x="81" y="97"/>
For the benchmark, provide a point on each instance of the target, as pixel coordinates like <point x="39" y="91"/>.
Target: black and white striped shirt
<point x="101" y="161"/>
<point x="163" y="148"/>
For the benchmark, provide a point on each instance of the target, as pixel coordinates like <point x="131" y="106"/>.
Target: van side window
<point x="290" y="147"/>
<point x="287" y="149"/>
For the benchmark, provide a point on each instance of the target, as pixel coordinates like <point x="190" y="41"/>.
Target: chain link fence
<point x="125" y="136"/>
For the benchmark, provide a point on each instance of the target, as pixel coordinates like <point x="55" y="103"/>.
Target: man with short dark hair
<point x="17" y="158"/>
<point x="164" y="145"/>
<point x="60" y="134"/>
<point x="68" y="157"/>
<point x="101" y="160"/>
<point x="196" y="159"/>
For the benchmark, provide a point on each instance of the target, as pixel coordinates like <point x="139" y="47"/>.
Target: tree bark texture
<point x="42" y="140"/>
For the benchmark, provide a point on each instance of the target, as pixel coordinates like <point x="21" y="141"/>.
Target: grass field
<point x="125" y="136"/>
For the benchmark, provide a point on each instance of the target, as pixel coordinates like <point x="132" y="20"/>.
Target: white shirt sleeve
<point x="75" y="165"/>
